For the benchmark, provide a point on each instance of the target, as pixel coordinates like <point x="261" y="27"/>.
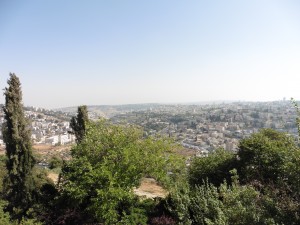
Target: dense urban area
<point x="202" y="128"/>
<point x="207" y="127"/>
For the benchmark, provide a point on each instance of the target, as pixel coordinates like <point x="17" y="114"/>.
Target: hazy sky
<point x="68" y="53"/>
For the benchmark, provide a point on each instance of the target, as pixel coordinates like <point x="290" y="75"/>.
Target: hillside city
<point x="204" y="128"/>
<point x="199" y="128"/>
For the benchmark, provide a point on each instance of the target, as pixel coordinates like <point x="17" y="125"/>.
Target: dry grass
<point x="46" y="148"/>
<point x="53" y="177"/>
<point x="149" y="188"/>
<point x="43" y="147"/>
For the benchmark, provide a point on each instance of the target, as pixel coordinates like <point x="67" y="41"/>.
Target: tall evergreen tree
<point x="78" y="123"/>
<point x="18" y="185"/>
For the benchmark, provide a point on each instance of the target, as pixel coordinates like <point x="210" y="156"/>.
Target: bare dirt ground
<point x="43" y="148"/>
<point x="185" y="152"/>
<point x="149" y="188"/>
<point x="2" y="150"/>
<point x="53" y="177"/>
<point x="47" y="151"/>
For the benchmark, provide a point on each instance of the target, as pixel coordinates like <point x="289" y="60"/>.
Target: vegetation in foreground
<point x="257" y="185"/>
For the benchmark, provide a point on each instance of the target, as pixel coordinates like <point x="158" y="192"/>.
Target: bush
<point x="214" y="168"/>
<point x="55" y="162"/>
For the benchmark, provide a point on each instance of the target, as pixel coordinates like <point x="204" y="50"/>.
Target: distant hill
<point x="111" y="110"/>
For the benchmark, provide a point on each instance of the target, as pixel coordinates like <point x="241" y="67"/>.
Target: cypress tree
<point x="18" y="185"/>
<point x="78" y="123"/>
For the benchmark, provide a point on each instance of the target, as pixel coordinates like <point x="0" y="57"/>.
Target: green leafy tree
<point x="79" y="123"/>
<point x="107" y="164"/>
<point x="269" y="160"/>
<point x="55" y="162"/>
<point x="19" y="184"/>
<point x="265" y="155"/>
<point x="215" y="168"/>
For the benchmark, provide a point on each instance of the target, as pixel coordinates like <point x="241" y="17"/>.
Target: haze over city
<point x="68" y="53"/>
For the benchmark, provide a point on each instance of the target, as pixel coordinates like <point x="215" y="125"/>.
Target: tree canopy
<point x="215" y="168"/>
<point x="110" y="161"/>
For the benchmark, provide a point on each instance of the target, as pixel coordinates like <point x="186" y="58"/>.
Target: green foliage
<point x="178" y="204"/>
<point x="242" y="204"/>
<point x="268" y="164"/>
<point x="79" y="123"/>
<point x="270" y="161"/>
<point x="3" y="171"/>
<point x="55" y="162"/>
<point x="265" y="155"/>
<point x="107" y="164"/>
<point x="215" y="168"/>
<point x="6" y="220"/>
<point x="18" y="184"/>
<point x="205" y="207"/>
<point x="4" y="216"/>
<point x="43" y="195"/>
<point x="207" y="204"/>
